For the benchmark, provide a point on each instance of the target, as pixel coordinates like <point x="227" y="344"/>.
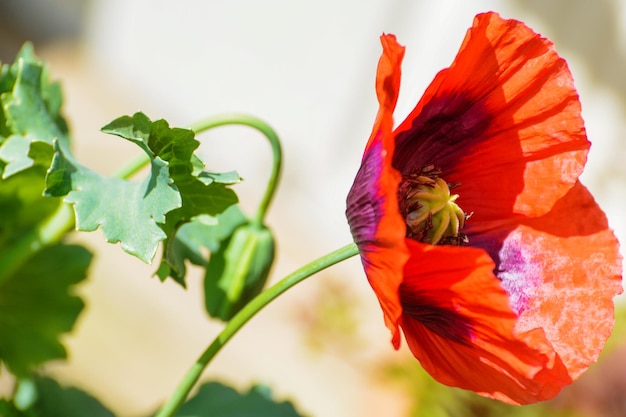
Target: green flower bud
<point x="238" y="271"/>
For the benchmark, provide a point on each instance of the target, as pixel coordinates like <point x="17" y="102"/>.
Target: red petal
<point x="503" y="121"/>
<point x="388" y="76"/>
<point x="562" y="271"/>
<point x="488" y="356"/>
<point x="373" y="214"/>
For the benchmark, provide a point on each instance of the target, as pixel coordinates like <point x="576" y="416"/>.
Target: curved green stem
<point x="270" y="134"/>
<point x="132" y="167"/>
<point x="242" y="317"/>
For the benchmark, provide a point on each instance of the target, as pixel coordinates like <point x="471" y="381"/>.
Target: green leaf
<point x="22" y="152"/>
<point x="14" y="151"/>
<point x="127" y="211"/>
<point x="202" y="192"/>
<point x="37" y="306"/>
<point x="30" y="111"/>
<point x="193" y="239"/>
<point x="141" y="214"/>
<point x="216" y="400"/>
<point x="53" y="400"/>
<point x="227" y="178"/>
<point x="8" y="409"/>
<point x="22" y="207"/>
<point x="45" y="397"/>
<point x="203" y="195"/>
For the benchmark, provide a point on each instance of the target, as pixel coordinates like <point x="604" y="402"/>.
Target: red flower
<point x="504" y="287"/>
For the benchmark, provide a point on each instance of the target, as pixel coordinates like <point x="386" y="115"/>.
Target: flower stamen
<point x="430" y="211"/>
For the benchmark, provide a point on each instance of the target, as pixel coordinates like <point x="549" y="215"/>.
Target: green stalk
<point x="242" y="317"/>
<point x="133" y="167"/>
<point x="272" y="137"/>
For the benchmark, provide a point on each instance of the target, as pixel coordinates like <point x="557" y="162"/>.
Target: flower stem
<point x="133" y="167"/>
<point x="242" y="317"/>
<point x="272" y="137"/>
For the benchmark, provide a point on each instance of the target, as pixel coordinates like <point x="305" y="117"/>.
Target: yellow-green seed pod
<point x="238" y="271"/>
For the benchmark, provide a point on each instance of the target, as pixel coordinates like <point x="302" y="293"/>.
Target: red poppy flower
<point x="503" y="285"/>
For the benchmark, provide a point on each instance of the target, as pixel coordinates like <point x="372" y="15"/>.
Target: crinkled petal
<point x="457" y="321"/>
<point x="372" y="203"/>
<point x="503" y="121"/>
<point x="562" y="271"/>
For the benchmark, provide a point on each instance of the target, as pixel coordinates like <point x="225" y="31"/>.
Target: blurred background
<point x="307" y="68"/>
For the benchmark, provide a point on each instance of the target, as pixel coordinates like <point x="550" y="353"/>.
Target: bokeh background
<point x="307" y="67"/>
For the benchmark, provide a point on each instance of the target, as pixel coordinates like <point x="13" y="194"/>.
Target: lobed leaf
<point x="127" y="211"/>
<point x="30" y="120"/>
<point x="37" y="306"/>
<point x="22" y="207"/>
<point x="53" y="400"/>
<point x="8" y="409"/>
<point x="201" y="192"/>
<point x="30" y="111"/>
<point x="193" y="239"/>
<point x="215" y="399"/>
<point x="204" y="195"/>
<point x="141" y="214"/>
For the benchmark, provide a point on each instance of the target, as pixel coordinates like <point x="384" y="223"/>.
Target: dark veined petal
<point x="372" y="203"/>
<point x="503" y="121"/>
<point x="458" y="323"/>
